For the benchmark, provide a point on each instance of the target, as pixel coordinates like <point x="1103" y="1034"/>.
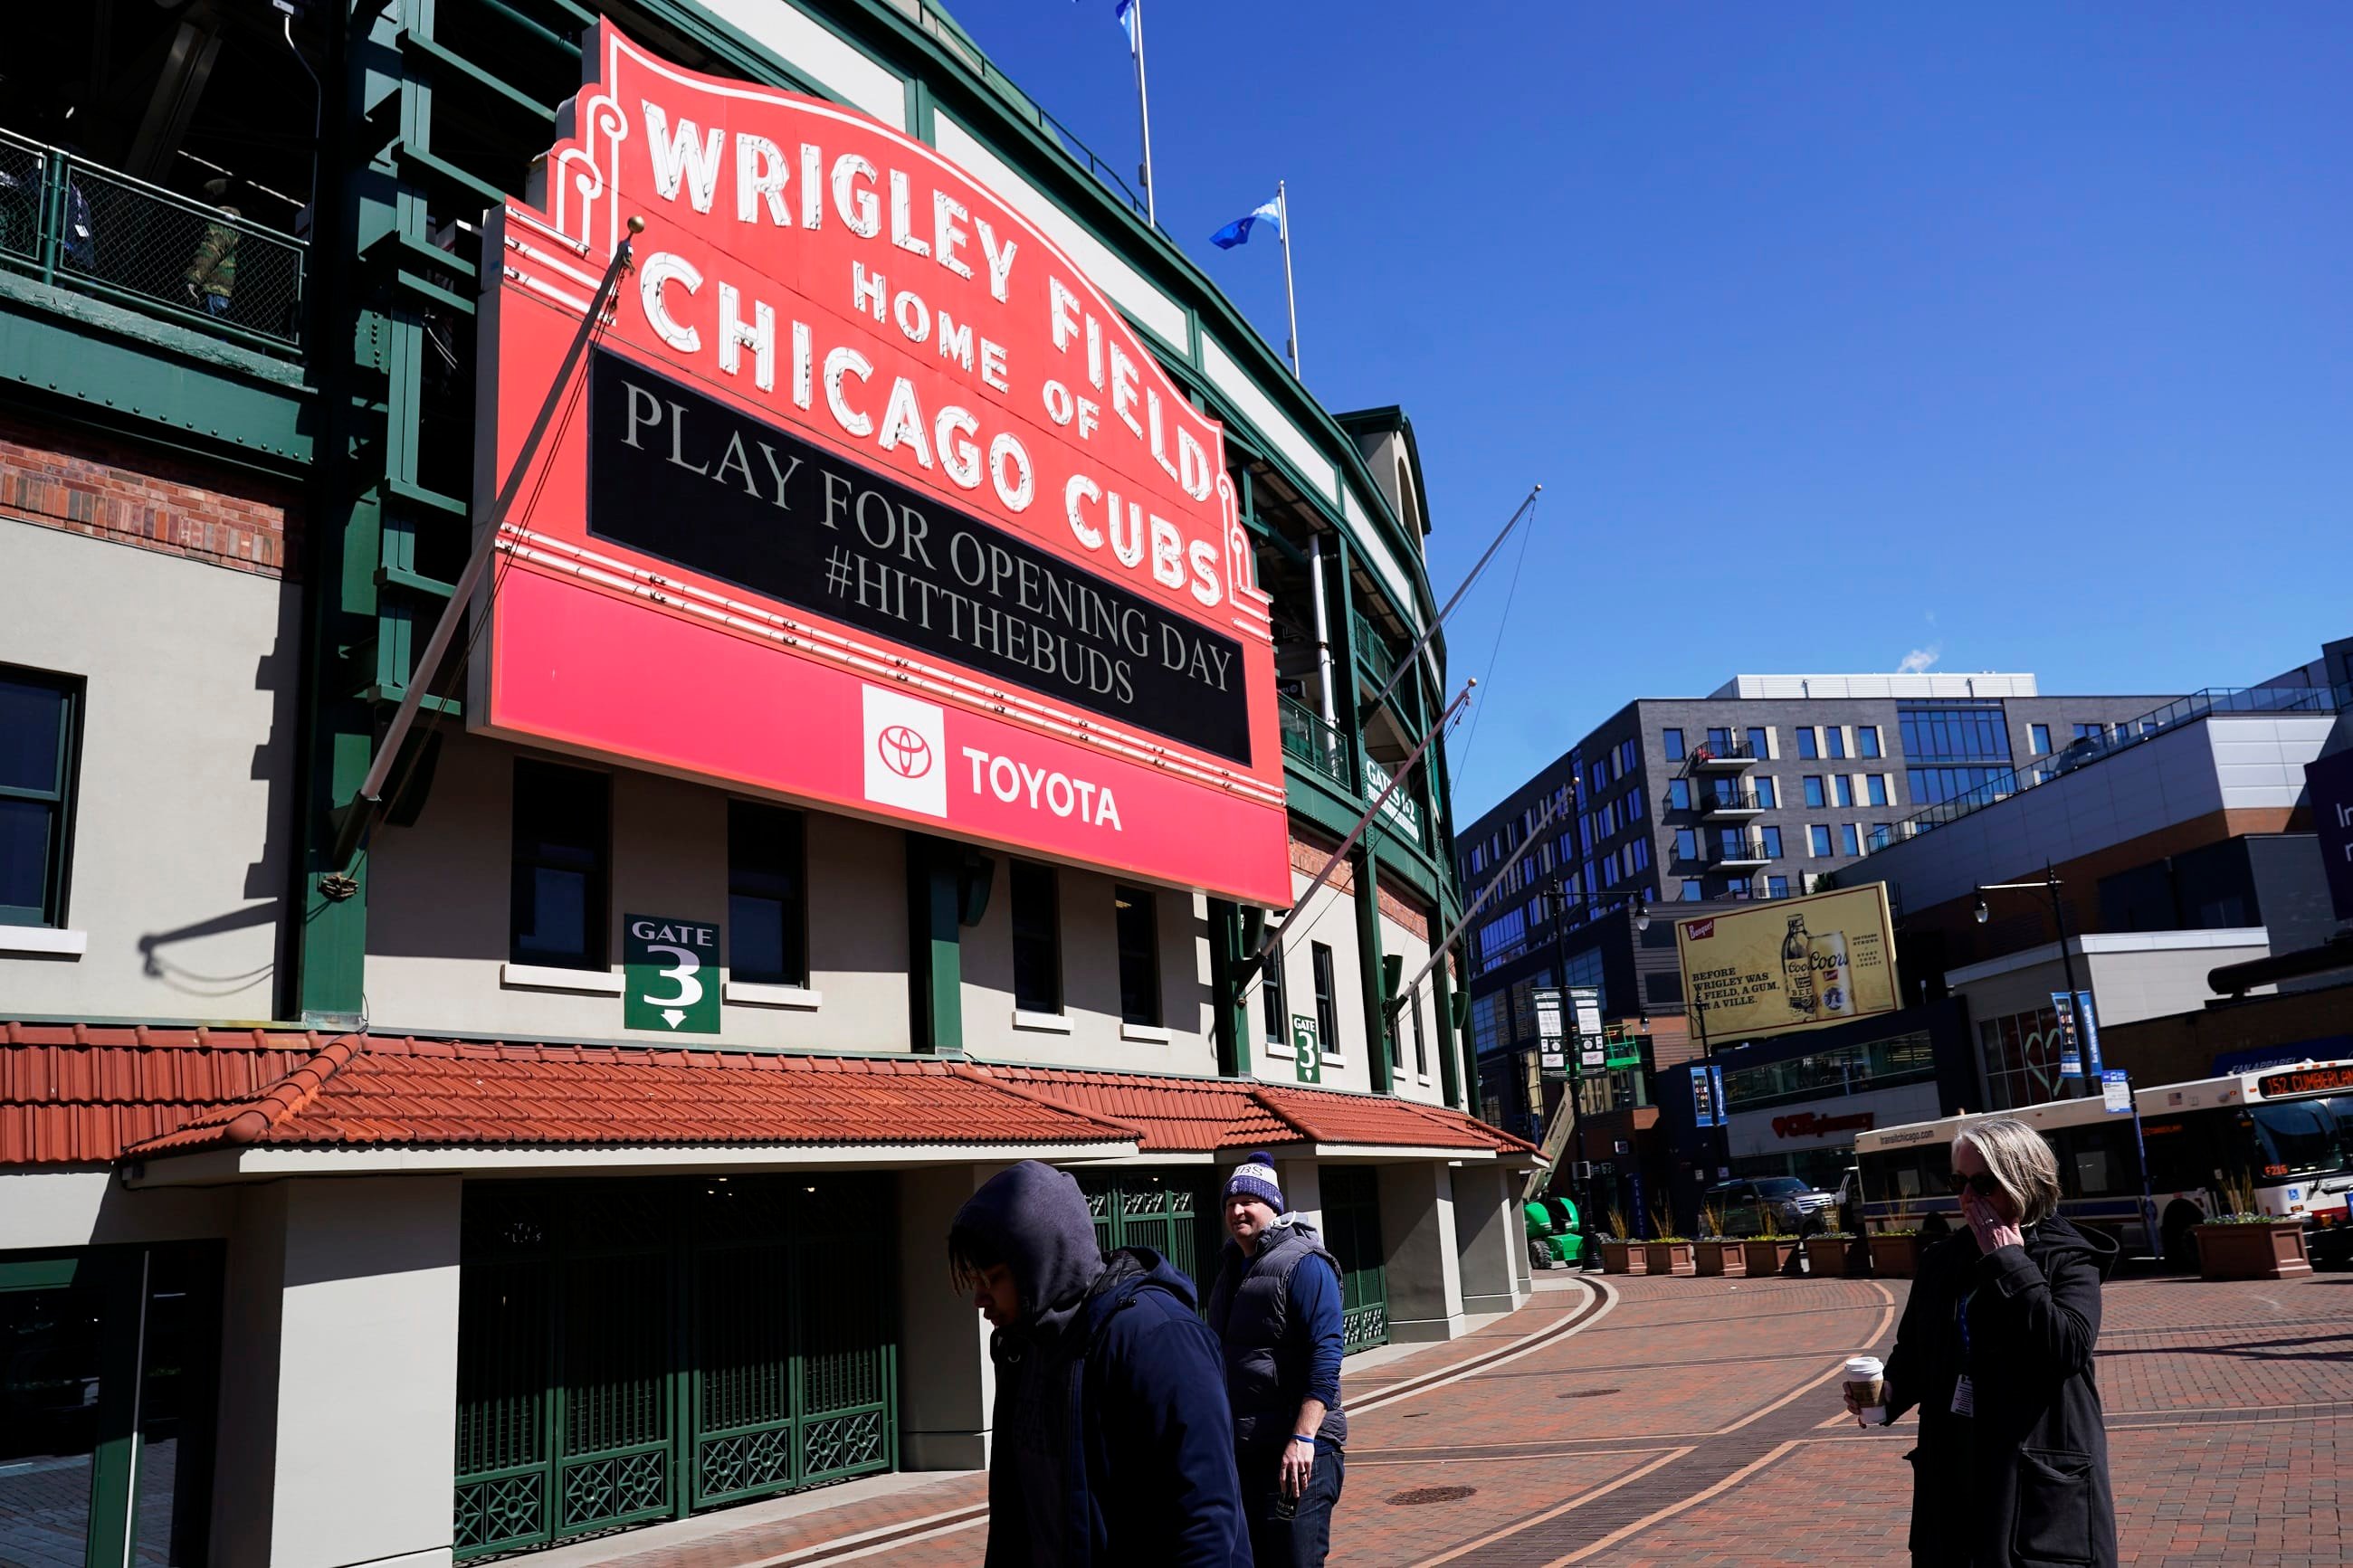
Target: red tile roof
<point x="74" y="1094"/>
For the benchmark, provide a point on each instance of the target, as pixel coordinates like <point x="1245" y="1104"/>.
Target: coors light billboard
<point x="861" y="494"/>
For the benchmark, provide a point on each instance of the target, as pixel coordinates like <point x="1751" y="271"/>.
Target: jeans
<point x="1300" y="1540"/>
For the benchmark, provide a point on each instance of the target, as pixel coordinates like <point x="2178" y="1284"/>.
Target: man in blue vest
<point x="1276" y="1308"/>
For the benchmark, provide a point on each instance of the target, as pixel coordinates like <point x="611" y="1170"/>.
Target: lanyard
<point x="1961" y="1315"/>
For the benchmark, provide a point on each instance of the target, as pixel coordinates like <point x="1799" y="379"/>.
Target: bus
<point x="2283" y="1136"/>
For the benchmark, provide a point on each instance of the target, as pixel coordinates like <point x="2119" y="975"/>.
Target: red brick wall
<point x="1411" y="916"/>
<point x="104" y="488"/>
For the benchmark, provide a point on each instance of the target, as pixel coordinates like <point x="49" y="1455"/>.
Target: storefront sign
<point x="2077" y="1059"/>
<point x="863" y="496"/>
<point x="1306" y="1051"/>
<point x="1814" y="1124"/>
<point x="1707" y="1094"/>
<point x="672" y="974"/>
<point x="1790" y="964"/>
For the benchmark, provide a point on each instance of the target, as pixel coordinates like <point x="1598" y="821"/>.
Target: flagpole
<point x="1143" y="109"/>
<point x="1282" y="205"/>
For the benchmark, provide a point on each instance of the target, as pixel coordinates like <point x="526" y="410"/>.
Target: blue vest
<point x="1268" y="1353"/>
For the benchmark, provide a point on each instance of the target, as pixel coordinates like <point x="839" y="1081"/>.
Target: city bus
<point x="2283" y="1134"/>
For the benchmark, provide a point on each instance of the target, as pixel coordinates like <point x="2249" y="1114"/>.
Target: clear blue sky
<point x="2018" y="336"/>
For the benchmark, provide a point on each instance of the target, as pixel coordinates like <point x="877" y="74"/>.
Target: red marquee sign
<point x="860" y="495"/>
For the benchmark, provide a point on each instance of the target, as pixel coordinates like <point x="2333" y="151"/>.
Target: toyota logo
<point x="903" y="751"/>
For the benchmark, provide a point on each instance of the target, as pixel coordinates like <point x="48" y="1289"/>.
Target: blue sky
<point x="2013" y="336"/>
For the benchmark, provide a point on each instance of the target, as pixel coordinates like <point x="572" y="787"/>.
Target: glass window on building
<point x="1634" y="806"/>
<point x="1274" y="1014"/>
<point x="1777" y="887"/>
<point x="1421" y="1043"/>
<point x="1771" y="835"/>
<point x="39" y="730"/>
<point x="1038" y="939"/>
<point x="1808" y="749"/>
<point x="1875" y="787"/>
<point x="1757" y="745"/>
<point x="1849" y="839"/>
<point x="1679" y="794"/>
<point x="1866" y="740"/>
<point x="1844" y="787"/>
<point x="2091" y="731"/>
<point x="768" y="895"/>
<point x="1848" y="1069"/>
<point x="2038" y="738"/>
<point x="1814" y="795"/>
<point x="2021" y="1053"/>
<point x="1691" y="891"/>
<point x="1719" y="741"/>
<point x="1834" y="739"/>
<point x="1327" y="1000"/>
<point x="1686" y="844"/>
<point x="1953" y="747"/>
<point x="1765" y="795"/>
<point x="1820" y="837"/>
<point x="1138" y="916"/>
<point x="563" y="845"/>
<point x="1671" y="742"/>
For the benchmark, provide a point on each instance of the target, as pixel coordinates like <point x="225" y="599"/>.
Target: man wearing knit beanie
<point x="1275" y="1309"/>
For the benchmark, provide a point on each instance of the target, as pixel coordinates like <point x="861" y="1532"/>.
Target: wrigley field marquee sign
<point x="861" y="495"/>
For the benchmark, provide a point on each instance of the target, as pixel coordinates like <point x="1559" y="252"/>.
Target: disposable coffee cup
<point x="1866" y="1380"/>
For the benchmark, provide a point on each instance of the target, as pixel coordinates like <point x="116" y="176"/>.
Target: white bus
<point x="2286" y="1134"/>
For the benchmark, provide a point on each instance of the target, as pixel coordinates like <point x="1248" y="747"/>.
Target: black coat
<point x="2024" y="1482"/>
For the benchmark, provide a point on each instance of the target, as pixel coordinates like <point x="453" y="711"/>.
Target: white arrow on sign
<point x="674" y="1017"/>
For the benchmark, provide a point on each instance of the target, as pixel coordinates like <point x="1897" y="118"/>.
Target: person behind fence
<point x="1995" y="1351"/>
<point x="1114" y="1446"/>
<point x="211" y="277"/>
<point x="1275" y="1309"/>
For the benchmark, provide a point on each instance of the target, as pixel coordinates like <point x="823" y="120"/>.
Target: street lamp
<point x="2049" y="888"/>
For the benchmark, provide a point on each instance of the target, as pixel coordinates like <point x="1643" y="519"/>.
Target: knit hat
<point x="1254" y="1178"/>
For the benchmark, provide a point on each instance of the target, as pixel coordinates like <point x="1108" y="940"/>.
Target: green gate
<point x="636" y="1351"/>
<point x="1168" y="1211"/>
<point x="1352" y="1229"/>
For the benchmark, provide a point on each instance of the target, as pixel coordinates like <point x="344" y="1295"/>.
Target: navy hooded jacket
<point x="1113" y="1442"/>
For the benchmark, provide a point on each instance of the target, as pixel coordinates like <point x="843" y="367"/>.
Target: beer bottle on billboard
<point x="1798" y="968"/>
<point x="1833" y="986"/>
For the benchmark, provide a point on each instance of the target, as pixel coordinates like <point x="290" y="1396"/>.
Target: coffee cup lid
<point x="1863" y="1366"/>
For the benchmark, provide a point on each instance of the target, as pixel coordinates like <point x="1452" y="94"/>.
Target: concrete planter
<point x="1720" y="1258"/>
<point x="2275" y="1250"/>
<point x="1669" y="1256"/>
<point x="1767" y="1258"/>
<point x="1622" y="1257"/>
<point x="1835" y="1256"/>
<point x="1896" y="1256"/>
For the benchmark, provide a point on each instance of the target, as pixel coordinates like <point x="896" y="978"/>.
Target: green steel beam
<point x="935" y="945"/>
<point x="1232" y="1012"/>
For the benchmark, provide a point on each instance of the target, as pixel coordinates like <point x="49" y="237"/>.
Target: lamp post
<point x="1557" y="893"/>
<point x="2049" y="888"/>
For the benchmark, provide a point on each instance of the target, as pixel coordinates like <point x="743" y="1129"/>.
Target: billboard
<point x="2329" y="781"/>
<point x="1789" y="965"/>
<point x="859" y="494"/>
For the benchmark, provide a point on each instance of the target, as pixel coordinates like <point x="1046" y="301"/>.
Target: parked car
<point x="1751" y="1206"/>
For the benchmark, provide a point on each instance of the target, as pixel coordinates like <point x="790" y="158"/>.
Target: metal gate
<point x="1352" y="1229"/>
<point x="1168" y="1211"/>
<point x="636" y="1351"/>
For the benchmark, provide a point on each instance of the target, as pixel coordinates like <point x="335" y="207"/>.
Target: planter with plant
<point x="1832" y="1254"/>
<point x="1895" y="1253"/>
<point x="1714" y="1253"/>
<point x="2247" y="1245"/>
<point x="1770" y="1254"/>
<point x="1618" y="1255"/>
<point x="1666" y="1252"/>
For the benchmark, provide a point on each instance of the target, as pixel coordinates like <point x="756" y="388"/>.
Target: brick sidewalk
<point x="1696" y="1421"/>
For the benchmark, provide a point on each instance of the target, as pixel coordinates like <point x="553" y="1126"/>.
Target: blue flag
<point x="1125" y="13"/>
<point x="1238" y="231"/>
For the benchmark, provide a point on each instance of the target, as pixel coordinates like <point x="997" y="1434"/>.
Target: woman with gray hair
<point x="1995" y="1351"/>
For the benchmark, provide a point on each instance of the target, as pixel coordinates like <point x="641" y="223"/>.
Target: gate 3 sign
<point x="863" y="495"/>
<point x="672" y="969"/>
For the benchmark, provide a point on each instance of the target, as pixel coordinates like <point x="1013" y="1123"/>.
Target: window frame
<point x="1130" y="906"/>
<point x="1816" y="794"/>
<point x="1671" y="743"/>
<point x="1818" y="840"/>
<point x="1327" y="1000"/>
<point x="1842" y="790"/>
<point x="1808" y="745"/>
<point x="793" y="903"/>
<point x="60" y="800"/>
<point x="1834" y="742"/>
<point x="1866" y="741"/>
<point x="1018" y="872"/>
<point x="2038" y="740"/>
<point x="597" y="915"/>
<point x="1874" y="787"/>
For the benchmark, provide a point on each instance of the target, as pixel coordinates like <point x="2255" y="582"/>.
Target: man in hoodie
<point x="1276" y="1310"/>
<point x="1114" y="1443"/>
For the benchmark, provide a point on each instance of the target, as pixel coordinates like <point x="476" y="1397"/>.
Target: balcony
<point x="1728" y="802"/>
<point x="1737" y="851"/>
<point x="79" y="226"/>
<point x="1315" y="744"/>
<point x="1371" y="649"/>
<point x="1732" y="756"/>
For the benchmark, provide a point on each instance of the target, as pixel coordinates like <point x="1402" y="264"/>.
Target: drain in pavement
<point x="1421" y="1495"/>
<point x="1585" y="1393"/>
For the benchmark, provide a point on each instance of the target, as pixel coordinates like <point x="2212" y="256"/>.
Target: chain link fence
<point x="92" y="229"/>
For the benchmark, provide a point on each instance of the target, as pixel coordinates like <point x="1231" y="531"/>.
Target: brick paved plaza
<point x="1696" y="1421"/>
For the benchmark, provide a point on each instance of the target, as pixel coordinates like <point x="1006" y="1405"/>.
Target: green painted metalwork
<point x="1168" y="1210"/>
<point x="636" y="1351"/>
<point x="1314" y="742"/>
<point x="1352" y="1229"/>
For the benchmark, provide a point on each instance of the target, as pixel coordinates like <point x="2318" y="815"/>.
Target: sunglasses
<point x="1982" y="1183"/>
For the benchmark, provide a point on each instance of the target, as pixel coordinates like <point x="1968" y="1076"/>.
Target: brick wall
<point x="104" y="488"/>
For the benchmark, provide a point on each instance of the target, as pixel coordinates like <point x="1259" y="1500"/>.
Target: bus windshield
<point x="2299" y="1136"/>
